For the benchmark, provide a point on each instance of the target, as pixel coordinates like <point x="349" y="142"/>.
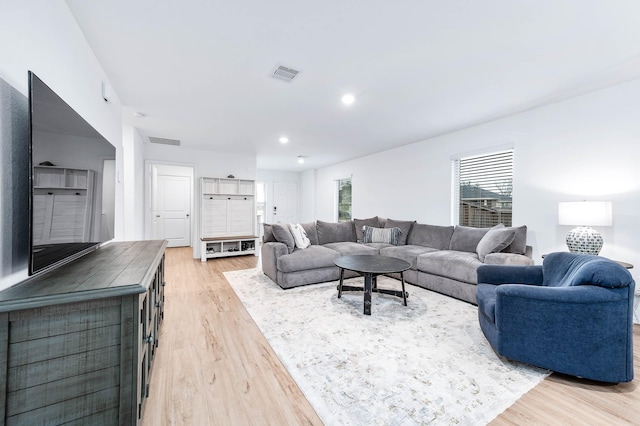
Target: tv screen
<point x="72" y="187"/>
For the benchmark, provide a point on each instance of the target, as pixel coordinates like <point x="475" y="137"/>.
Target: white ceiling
<point x="200" y="69"/>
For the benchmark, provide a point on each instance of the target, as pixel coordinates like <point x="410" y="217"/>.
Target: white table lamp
<point x="585" y="214"/>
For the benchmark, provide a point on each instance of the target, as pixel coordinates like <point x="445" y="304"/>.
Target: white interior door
<point x="172" y="215"/>
<point x="285" y="202"/>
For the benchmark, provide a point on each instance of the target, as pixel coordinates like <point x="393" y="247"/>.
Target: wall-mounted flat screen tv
<point x="72" y="182"/>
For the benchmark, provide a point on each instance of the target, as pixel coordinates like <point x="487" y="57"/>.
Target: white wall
<point x="133" y="175"/>
<point x="42" y="36"/>
<point x="308" y="196"/>
<point x="206" y="164"/>
<point x="586" y="148"/>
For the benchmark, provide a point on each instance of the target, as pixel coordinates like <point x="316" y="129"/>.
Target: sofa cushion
<point x="519" y="244"/>
<point x="381" y="235"/>
<point x="335" y="232"/>
<point x="409" y="253"/>
<point x="494" y="241"/>
<point x="267" y="233"/>
<point x="360" y="223"/>
<point x="282" y="233"/>
<point x="378" y="246"/>
<point x="299" y="236"/>
<point x="507" y="259"/>
<point x="405" y="227"/>
<point x="457" y="265"/>
<point x="466" y="238"/>
<point x="312" y="257"/>
<point x="312" y="234"/>
<point x="438" y="237"/>
<point x="349" y="247"/>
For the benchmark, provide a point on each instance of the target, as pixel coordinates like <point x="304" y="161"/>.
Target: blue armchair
<point x="573" y="314"/>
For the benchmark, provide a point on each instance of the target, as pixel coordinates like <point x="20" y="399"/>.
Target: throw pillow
<point x="299" y="235"/>
<point x="494" y="241"/>
<point x="381" y="235"/>
<point x="405" y="228"/>
<point x="360" y="223"/>
<point x="267" y="235"/>
<point x="283" y="235"/>
<point x="519" y="244"/>
<point x="312" y="233"/>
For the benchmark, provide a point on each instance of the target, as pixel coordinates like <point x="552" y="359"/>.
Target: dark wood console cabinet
<point x="77" y="343"/>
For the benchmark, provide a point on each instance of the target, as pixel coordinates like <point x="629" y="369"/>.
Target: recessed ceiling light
<point x="284" y="139"/>
<point x="348" y="99"/>
<point x="300" y="159"/>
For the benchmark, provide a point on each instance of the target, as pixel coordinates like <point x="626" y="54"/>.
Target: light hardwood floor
<point x="214" y="367"/>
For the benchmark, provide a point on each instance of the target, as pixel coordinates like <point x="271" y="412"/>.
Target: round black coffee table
<point x="370" y="267"/>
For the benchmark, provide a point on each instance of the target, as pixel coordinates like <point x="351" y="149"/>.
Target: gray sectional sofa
<point x="443" y="258"/>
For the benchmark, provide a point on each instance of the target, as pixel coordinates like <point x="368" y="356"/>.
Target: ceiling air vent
<point x="164" y="141"/>
<point x="284" y="73"/>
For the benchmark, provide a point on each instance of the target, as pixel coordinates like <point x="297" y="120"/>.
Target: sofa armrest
<point x="270" y="253"/>
<point x="509" y="274"/>
<point x="507" y="259"/>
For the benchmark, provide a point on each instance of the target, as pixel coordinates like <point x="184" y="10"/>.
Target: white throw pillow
<point x="299" y="235"/>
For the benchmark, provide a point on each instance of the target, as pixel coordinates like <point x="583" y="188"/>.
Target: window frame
<point x="338" y="204"/>
<point x="493" y="201"/>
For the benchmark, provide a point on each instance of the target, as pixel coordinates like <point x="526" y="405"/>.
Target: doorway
<point x="285" y="202"/>
<point x="171" y="201"/>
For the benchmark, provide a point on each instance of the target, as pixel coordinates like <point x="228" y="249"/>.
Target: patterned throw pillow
<point x="299" y="235"/>
<point x="381" y="235"/>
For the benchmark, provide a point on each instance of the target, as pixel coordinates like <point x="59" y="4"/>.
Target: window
<point x="344" y="199"/>
<point x="483" y="189"/>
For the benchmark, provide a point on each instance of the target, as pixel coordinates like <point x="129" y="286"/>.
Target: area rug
<point x="425" y="363"/>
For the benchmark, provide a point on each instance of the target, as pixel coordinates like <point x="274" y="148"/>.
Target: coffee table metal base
<point x="371" y="286"/>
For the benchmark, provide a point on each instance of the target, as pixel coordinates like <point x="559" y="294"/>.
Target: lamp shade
<point x="585" y="213"/>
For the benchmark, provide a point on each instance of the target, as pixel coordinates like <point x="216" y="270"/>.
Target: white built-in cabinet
<point x="62" y="205"/>
<point x="228" y="217"/>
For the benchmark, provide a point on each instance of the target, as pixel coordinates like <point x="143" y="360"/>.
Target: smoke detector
<point x="164" y="141"/>
<point x="284" y="73"/>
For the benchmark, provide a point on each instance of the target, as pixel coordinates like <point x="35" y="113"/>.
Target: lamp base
<point x="584" y="240"/>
